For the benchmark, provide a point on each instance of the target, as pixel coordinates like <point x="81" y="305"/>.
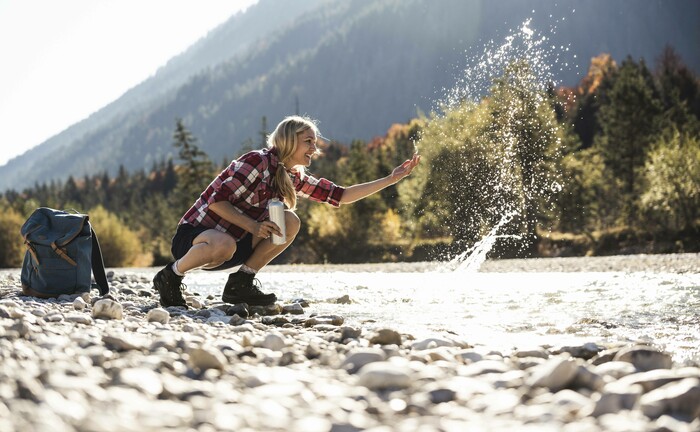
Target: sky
<point x="63" y="60"/>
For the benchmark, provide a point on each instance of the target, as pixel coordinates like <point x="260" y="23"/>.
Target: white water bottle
<point x="276" y="209"/>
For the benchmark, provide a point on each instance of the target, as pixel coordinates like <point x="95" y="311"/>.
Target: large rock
<point x="614" y="369"/>
<point x="555" y="374"/>
<point x="656" y="378"/>
<point x="615" y="398"/>
<point x="678" y="399"/>
<point x="644" y="358"/>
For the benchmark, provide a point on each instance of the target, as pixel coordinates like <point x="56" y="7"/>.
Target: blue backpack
<point x="62" y="251"/>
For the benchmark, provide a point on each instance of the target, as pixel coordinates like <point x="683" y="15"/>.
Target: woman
<point x="228" y="225"/>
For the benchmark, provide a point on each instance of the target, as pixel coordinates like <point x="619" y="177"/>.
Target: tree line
<point x="610" y="166"/>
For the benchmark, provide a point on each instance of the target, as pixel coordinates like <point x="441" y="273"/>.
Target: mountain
<point x="355" y="65"/>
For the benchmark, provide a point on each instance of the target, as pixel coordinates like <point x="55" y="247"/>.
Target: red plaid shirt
<point x="246" y="184"/>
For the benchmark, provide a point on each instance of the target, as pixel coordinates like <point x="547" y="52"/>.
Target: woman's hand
<point x="359" y="191"/>
<point x="405" y="168"/>
<point x="265" y="229"/>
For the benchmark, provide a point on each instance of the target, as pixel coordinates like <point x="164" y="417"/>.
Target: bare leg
<point x="265" y="251"/>
<point x="209" y="249"/>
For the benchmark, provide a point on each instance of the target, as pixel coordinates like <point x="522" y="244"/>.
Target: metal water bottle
<point x="276" y="209"/>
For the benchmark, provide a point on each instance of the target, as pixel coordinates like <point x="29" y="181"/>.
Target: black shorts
<point x="186" y="233"/>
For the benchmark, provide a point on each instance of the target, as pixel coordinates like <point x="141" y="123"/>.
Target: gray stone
<point x="358" y="358"/>
<point x="107" y="309"/>
<point x="79" y="318"/>
<point x="275" y="320"/>
<point x="123" y="342"/>
<point x="79" y="304"/>
<point x="469" y="356"/>
<point x="572" y="402"/>
<point x="293" y="309"/>
<point x="555" y="374"/>
<point x="615" y="398"/>
<point x="204" y="358"/>
<point x="53" y="317"/>
<point x="345" y="299"/>
<point x="142" y="379"/>
<point x="195" y="302"/>
<point x="644" y="358"/>
<point x="385" y="337"/>
<point x="484" y="367"/>
<point x="29" y="388"/>
<point x="586" y="378"/>
<point x="274" y="342"/>
<point x="604" y="356"/>
<point x="384" y="375"/>
<point x="273" y="309"/>
<point x="615" y="369"/>
<point x="586" y="351"/>
<point x="347" y="332"/>
<point x="334" y="320"/>
<point x="159" y="315"/>
<point x="538" y="353"/>
<point x="431" y="343"/>
<point x="656" y="378"/>
<point x="680" y="398"/>
<point x="442" y="395"/>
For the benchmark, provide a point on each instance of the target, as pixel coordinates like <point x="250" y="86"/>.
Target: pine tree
<point x="196" y="171"/>
<point x="630" y="118"/>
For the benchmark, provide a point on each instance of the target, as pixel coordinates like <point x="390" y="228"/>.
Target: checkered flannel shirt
<point x="246" y="184"/>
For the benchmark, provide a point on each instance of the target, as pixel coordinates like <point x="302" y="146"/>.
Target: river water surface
<point x="499" y="310"/>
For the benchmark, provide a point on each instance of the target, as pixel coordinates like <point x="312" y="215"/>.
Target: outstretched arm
<point x="357" y="192"/>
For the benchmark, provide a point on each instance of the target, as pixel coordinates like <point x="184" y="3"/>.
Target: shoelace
<point x="255" y="287"/>
<point x="183" y="290"/>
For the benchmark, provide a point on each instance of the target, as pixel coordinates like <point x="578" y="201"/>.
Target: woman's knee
<point x="222" y="247"/>
<point x="292" y="223"/>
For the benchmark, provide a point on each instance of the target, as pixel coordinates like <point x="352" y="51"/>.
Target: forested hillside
<point x="609" y="166"/>
<point x="357" y="66"/>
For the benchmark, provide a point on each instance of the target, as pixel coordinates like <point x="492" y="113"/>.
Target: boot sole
<point x="248" y="301"/>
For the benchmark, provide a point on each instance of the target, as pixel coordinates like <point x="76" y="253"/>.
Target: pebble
<point x="121" y="362"/>
<point x="555" y="374"/>
<point x="359" y="357"/>
<point x="204" y="358"/>
<point x="79" y="304"/>
<point x="158" y="315"/>
<point x="384" y="375"/>
<point x="385" y="337"/>
<point x="107" y="309"/>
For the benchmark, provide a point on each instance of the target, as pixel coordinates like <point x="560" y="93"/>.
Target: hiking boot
<point x="170" y="287"/>
<point x="243" y="287"/>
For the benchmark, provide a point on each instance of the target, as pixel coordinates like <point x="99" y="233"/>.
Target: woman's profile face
<point x="306" y="148"/>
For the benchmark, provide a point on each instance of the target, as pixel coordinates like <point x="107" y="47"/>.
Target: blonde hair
<point x="284" y="140"/>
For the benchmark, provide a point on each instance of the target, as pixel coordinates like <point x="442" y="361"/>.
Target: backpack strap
<point x="98" y="265"/>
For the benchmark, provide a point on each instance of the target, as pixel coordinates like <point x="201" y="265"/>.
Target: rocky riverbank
<point x="121" y="363"/>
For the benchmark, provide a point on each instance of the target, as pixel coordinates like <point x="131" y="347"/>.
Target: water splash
<point x="523" y="44"/>
<point x="525" y="61"/>
<point x="470" y="260"/>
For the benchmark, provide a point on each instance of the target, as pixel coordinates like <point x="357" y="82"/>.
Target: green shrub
<point x="121" y="247"/>
<point x="12" y="249"/>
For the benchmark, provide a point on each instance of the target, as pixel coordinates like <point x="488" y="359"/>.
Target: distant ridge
<point x="355" y="65"/>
